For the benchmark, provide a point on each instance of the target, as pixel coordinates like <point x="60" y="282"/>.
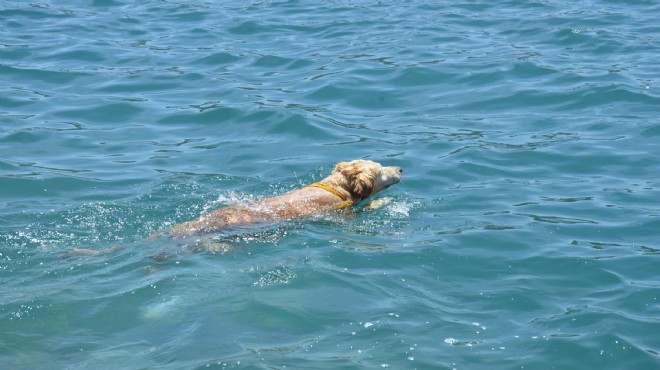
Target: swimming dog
<point x="347" y="185"/>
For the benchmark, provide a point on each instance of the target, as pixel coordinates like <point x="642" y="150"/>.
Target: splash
<point x="280" y="275"/>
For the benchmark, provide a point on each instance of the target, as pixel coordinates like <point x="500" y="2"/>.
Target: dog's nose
<point x="400" y="170"/>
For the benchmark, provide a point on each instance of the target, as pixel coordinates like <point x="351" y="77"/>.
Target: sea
<point x="524" y="234"/>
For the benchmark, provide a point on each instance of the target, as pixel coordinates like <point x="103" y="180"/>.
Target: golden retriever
<point x="348" y="184"/>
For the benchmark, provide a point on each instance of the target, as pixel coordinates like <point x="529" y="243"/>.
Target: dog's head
<point x="365" y="178"/>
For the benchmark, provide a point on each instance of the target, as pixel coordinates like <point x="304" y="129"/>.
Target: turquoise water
<point x="524" y="234"/>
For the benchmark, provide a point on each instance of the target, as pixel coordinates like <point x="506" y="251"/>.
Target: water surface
<point x="524" y="233"/>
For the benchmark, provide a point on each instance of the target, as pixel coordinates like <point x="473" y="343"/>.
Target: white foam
<point x="451" y="341"/>
<point x="399" y="209"/>
<point x="280" y="275"/>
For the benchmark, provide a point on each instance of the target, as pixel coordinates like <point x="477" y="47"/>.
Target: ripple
<point x="106" y="113"/>
<point x="218" y="59"/>
<point x="49" y="77"/>
<point x="249" y="28"/>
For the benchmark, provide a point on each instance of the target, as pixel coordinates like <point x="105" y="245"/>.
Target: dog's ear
<point x="362" y="184"/>
<point x="360" y="180"/>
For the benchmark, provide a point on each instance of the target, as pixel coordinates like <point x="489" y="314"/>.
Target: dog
<point x="348" y="184"/>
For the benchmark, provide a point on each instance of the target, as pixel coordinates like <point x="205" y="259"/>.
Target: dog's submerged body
<point x="348" y="184"/>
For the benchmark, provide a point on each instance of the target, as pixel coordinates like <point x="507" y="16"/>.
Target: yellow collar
<point x="326" y="187"/>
